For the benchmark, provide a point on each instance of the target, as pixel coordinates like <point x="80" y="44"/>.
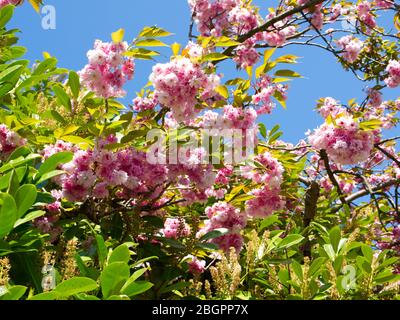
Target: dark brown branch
<point x="388" y="154"/>
<point x="363" y="193"/>
<point x="271" y="22"/>
<point x="310" y="210"/>
<point x="324" y="157"/>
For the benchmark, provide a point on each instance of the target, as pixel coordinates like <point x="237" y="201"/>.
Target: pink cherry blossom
<point x="175" y="228"/>
<point x="180" y="85"/>
<point x="344" y="142"/>
<point x="196" y="266"/>
<point x="364" y="14"/>
<point x="224" y="215"/>
<point x="4" y="3"/>
<point x="351" y="46"/>
<point x="9" y="141"/>
<point x="108" y="69"/>
<point x="393" y="70"/>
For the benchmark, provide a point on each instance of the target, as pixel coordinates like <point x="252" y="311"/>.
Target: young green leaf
<point x="25" y="198"/>
<point x="113" y="278"/>
<point x="62" y="97"/>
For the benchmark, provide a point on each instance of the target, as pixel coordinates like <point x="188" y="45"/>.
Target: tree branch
<point x="324" y="157"/>
<point x="271" y="22"/>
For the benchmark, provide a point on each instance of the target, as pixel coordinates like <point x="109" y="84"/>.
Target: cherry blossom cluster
<point x="213" y="17"/>
<point x="365" y="15"/>
<point x="394" y="244"/>
<point x="108" y="69"/>
<point x="175" y="228"/>
<point x="393" y="70"/>
<point x="246" y="55"/>
<point x="268" y="172"/>
<point x="344" y="142"/>
<point x="276" y="35"/>
<point x="266" y="201"/>
<point x="180" y="84"/>
<point x="314" y="172"/>
<point x="384" y="4"/>
<point x="141" y="104"/>
<point x="231" y="118"/>
<point x="4" y="3"/>
<point x="265" y="91"/>
<point x="196" y="266"/>
<point x="351" y="46"/>
<point x="95" y="173"/>
<point x="193" y="177"/>
<point x="9" y="141"/>
<point x="330" y="107"/>
<point x="223" y="215"/>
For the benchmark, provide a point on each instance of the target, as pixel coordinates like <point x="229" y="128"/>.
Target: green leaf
<point x="136" y="275"/>
<point x="87" y="297"/>
<point x="141" y="53"/>
<point x="214" y="57"/>
<point x="118" y="298"/>
<point x="141" y="261"/>
<point x="49" y="175"/>
<point x="226" y="42"/>
<point x="30" y="217"/>
<point x="14" y="293"/>
<point x="77" y="140"/>
<point x="367" y="252"/>
<point x="136" y="288"/>
<point x="8" y="214"/>
<point x="151" y="43"/>
<point x="18" y="162"/>
<point x="268" y="54"/>
<point x="62" y="97"/>
<point x="5" y="180"/>
<point x="175" y="286"/>
<point x="280" y="98"/>
<point x="13" y="183"/>
<point x="58" y="117"/>
<point x="329" y="251"/>
<point x="101" y="249"/>
<point x="223" y="91"/>
<point x="120" y="254"/>
<point x="371" y="125"/>
<point x="45" y="296"/>
<point x="44" y="66"/>
<point x="25" y="198"/>
<point x="54" y="161"/>
<point x="134" y="135"/>
<point x="316" y="265"/>
<point x="334" y="237"/>
<point x="19" y="152"/>
<point x="268" y="222"/>
<point x="74" y="286"/>
<point x="36" y="4"/>
<point x="9" y="73"/>
<point x="74" y="84"/>
<point x="263" y="130"/>
<point x="385" y="277"/>
<point x="288" y="58"/>
<point x="214" y="234"/>
<point x="118" y="36"/>
<point x="6" y="14"/>
<point x="287" y="73"/>
<point x="290" y="241"/>
<point x="298" y="270"/>
<point x="149" y="32"/>
<point x="113" y="277"/>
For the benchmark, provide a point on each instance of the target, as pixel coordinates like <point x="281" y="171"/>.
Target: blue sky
<point x="79" y="23"/>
